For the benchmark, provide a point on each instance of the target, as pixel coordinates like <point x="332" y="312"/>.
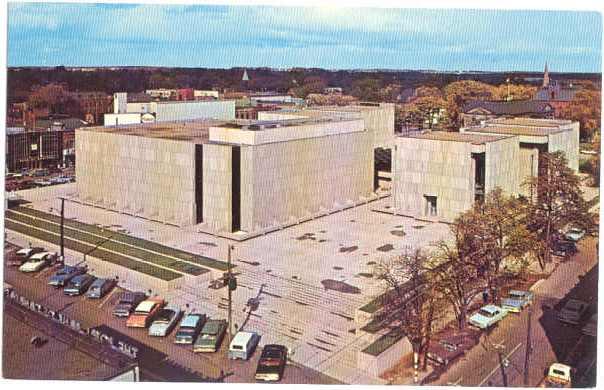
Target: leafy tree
<point x="410" y="299"/>
<point x="426" y="112"/>
<point x="585" y="108"/>
<point x="456" y="267"/>
<point x="504" y="238"/>
<point x="55" y="97"/>
<point x="514" y="92"/>
<point x="558" y="202"/>
<point x="458" y="93"/>
<point x="367" y="89"/>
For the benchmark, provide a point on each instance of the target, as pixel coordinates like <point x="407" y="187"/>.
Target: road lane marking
<point x="497" y="366"/>
<point x="107" y="297"/>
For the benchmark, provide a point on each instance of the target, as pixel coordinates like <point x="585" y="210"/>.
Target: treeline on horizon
<point x="21" y="81"/>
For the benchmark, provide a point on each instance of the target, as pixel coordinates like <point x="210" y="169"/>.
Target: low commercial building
<point x="240" y="176"/>
<point x="126" y="113"/>
<point x="438" y="175"/>
<point x="536" y="136"/>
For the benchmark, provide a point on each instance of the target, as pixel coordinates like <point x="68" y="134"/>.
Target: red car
<point x="450" y="346"/>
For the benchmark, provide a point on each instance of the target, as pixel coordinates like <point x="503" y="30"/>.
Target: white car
<point x="165" y="321"/>
<point x="37" y="261"/>
<point x="487" y="316"/>
<point x="574" y="234"/>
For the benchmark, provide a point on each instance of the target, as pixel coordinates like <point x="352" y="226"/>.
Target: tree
<point x="458" y="93"/>
<point x="426" y="112"/>
<point x="585" y="108"/>
<point x="504" y="238"/>
<point x="52" y="96"/>
<point x="413" y="305"/>
<point x="558" y="203"/>
<point x="367" y="89"/>
<point x="514" y="92"/>
<point x="456" y="265"/>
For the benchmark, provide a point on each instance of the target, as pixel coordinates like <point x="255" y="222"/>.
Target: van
<point x="243" y="345"/>
<point x="100" y="287"/>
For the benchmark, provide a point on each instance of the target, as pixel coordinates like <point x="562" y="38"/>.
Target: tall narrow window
<point x="431" y="206"/>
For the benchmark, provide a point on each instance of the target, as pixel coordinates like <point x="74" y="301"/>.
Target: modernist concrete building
<point x="378" y="119"/>
<point x="268" y="174"/>
<point x="126" y="113"/>
<point x="535" y="136"/>
<point x="438" y="175"/>
<point x="240" y="176"/>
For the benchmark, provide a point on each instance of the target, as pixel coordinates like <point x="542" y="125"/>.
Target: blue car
<point x="517" y="300"/>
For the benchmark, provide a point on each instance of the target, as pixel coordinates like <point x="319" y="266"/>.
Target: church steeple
<point x="245" y="76"/>
<point x="546" y="77"/>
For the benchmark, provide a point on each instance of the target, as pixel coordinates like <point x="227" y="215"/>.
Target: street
<point x="551" y="340"/>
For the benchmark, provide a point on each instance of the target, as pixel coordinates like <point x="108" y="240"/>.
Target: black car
<point x="564" y="248"/>
<point x="272" y="363"/>
<point x="79" y="284"/>
<point x="128" y="302"/>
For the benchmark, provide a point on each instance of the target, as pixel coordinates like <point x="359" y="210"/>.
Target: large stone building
<point x="244" y="176"/>
<point x="438" y="175"/>
<point x="536" y="136"/>
<point x="475" y="112"/>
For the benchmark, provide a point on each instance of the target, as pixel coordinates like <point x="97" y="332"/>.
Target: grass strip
<point x="127" y="239"/>
<point x="110" y="245"/>
<point x="101" y="254"/>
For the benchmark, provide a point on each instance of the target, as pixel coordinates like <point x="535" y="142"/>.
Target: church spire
<point x="546" y="77"/>
<point x="245" y="76"/>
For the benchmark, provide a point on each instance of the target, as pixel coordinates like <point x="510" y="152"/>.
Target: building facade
<point x="438" y="175"/>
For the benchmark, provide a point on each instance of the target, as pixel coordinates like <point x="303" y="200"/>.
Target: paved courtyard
<point x="308" y="279"/>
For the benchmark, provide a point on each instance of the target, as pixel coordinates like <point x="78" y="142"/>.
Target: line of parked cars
<point x="205" y="335"/>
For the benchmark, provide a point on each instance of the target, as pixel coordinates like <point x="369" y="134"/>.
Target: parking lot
<point x="308" y="279"/>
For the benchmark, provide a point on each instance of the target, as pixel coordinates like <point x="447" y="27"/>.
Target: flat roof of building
<point x="532" y="122"/>
<point x="259" y="125"/>
<point x="358" y="107"/>
<point x="531" y="131"/>
<point x="196" y="131"/>
<point x="474" y="139"/>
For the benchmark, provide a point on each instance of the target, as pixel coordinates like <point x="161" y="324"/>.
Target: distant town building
<point x="49" y="145"/>
<point x="127" y="113"/>
<point x="558" y="94"/>
<point x="202" y="94"/>
<point x="333" y="90"/>
<point x="476" y="111"/>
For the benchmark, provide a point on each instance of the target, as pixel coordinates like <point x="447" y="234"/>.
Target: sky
<point x="72" y="34"/>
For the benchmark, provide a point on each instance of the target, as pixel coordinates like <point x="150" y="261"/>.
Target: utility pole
<point x="502" y="364"/>
<point x="529" y="347"/>
<point x="62" y="229"/>
<point x="231" y="283"/>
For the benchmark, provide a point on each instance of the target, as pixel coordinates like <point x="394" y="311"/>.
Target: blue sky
<point x="71" y="34"/>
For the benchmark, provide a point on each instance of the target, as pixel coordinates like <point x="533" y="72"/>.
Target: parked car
<point x="487" y="316"/>
<point x="189" y="328"/>
<point x="37" y="261"/>
<point x="243" y="345"/>
<point x="127" y="302"/>
<point x="517" y="300"/>
<point x="449" y="347"/>
<point x="165" y="321"/>
<point x="65" y="274"/>
<point x="145" y="313"/>
<point x="558" y="375"/>
<point x="591" y="327"/>
<point x="100" y="287"/>
<point x="573" y="311"/>
<point x="574" y="234"/>
<point x="22" y="255"/>
<point x="272" y="363"/>
<point x="211" y="336"/>
<point x="78" y="285"/>
<point x="564" y="248"/>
